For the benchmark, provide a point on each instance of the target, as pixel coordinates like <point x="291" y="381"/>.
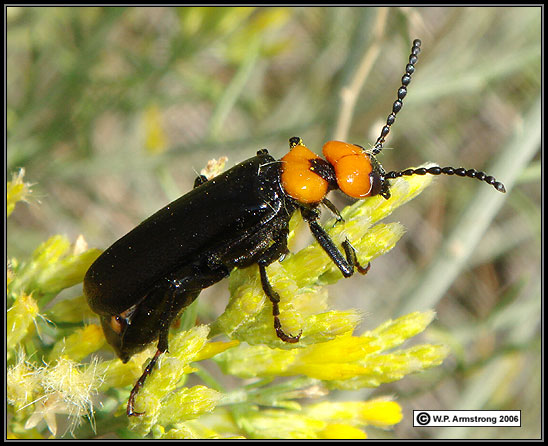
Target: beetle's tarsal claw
<point x="288" y="338"/>
<point x="363" y="270"/>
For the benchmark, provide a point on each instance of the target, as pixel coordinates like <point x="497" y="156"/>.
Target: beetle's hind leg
<point x="162" y="348"/>
<point x="273" y="253"/>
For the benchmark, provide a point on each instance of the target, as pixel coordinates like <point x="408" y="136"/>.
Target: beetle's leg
<point x="173" y="307"/>
<point x="276" y="250"/>
<point x="275" y="299"/>
<point x="329" y="205"/>
<point x="273" y="253"/>
<point x="351" y="254"/>
<point x="347" y="262"/>
<point x="131" y="401"/>
<point x="349" y="250"/>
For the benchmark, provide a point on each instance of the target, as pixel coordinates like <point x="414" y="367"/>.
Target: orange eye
<point x="352" y="167"/>
<point x="298" y="180"/>
<point x="117" y="323"/>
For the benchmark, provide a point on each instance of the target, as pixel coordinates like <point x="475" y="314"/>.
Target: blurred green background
<point x="113" y="111"/>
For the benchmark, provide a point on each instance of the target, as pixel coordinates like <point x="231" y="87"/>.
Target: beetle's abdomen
<point x="240" y="201"/>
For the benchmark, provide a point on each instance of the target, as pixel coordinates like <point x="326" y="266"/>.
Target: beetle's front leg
<point x="352" y="258"/>
<point x="347" y="262"/>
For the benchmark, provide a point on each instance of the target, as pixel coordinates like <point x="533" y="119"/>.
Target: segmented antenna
<point x="461" y="172"/>
<point x="402" y="91"/>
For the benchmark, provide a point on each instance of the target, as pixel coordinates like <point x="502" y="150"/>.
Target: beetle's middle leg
<point x="273" y="253"/>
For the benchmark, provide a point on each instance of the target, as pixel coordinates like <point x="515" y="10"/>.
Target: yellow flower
<point x="116" y="374"/>
<point x="343" y="420"/>
<point x="20" y="319"/>
<point x="16" y="190"/>
<point x="346" y="361"/>
<point x="338" y="431"/>
<point x="162" y="399"/>
<point x="155" y="137"/>
<point x="214" y="348"/>
<point x="271" y="423"/>
<point x="22" y="383"/>
<point x="62" y="388"/>
<point x="54" y="267"/>
<point x="188" y="430"/>
<point x="79" y="344"/>
<point x="380" y="412"/>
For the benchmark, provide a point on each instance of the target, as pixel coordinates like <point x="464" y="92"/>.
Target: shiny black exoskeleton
<point x="234" y="220"/>
<point x="239" y="218"/>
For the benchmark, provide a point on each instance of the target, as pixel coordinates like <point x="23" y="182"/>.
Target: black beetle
<point x="237" y="219"/>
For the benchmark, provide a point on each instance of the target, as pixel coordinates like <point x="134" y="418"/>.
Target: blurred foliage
<point x="112" y="111"/>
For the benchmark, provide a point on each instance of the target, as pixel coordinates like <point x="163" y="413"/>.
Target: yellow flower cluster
<point x="327" y="420"/>
<point x="346" y="361"/>
<point x="47" y="379"/>
<point x="161" y="399"/>
<point x="41" y="393"/>
<point x="54" y="266"/>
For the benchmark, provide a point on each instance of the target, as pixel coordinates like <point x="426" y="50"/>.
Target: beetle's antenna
<point x="402" y="91"/>
<point x="461" y="172"/>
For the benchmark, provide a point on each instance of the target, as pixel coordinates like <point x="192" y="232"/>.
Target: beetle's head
<point x="308" y="178"/>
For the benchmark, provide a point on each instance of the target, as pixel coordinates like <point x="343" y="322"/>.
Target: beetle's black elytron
<point x="237" y="219"/>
